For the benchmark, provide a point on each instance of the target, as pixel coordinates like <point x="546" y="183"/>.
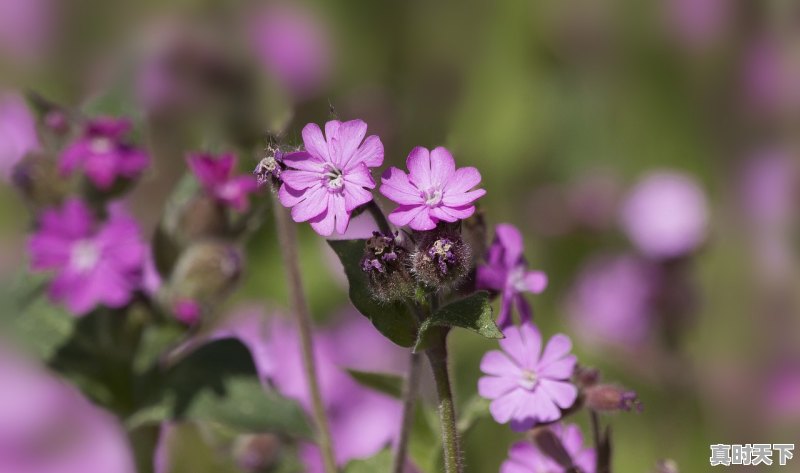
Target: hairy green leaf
<point x="386" y="383"/>
<point x="473" y="313"/>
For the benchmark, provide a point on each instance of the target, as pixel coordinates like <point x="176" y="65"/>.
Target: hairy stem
<point x="288" y="241"/>
<point x="437" y="356"/>
<point x="409" y="398"/>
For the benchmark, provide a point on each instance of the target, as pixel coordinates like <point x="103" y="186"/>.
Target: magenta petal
<point x="498" y="363"/>
<point x="337" y="202"/>
<point x="511" y="239"/>
<point x="132" y="163"/>
<point x="369" y="153"/>
<point x="402" y="215"/>
<point x="315" y="143"/>
<point x="324" y="223"/>
<point x="539" y="407"/>
<point x="101" y="169"/>
<point x="315" y="202"/>
<point x="290" y="197"/>
<point x="491" y="277"/>
<point x="443" y="166"/>
<point x="396" y="186"/>
<point x="522" y="344"/>
<point x="48" y="251"/>
<point x="211" y="171"/>
<point x="558" y="347"/>
<point x="535" y="281"/>
<point x="461" y="198"/>
<point x="504" y="407"/>
<point x="359" y="176"/>
<point x="525" y="312"/>
<point x="303" y="161"/>
<point x="504" y="315"/>
<point x="301" y="179"/>
<point x="561" y="392"/>
<point x="73" y="219"/>
<point x="72" y="158"/>
<point x="346" y="141"/>
<point x="452" y="214"/>
<point x="419" y="167"/>
<point x="559" y="369"/>
<point x="492" y="387"/>
<point x="355" y="196"/>
<point x="463" y="180"/>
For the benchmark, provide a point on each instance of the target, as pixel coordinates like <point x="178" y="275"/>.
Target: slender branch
<point x="409" y="398"/>
<point x="288" y="241"/>
<point x="437" y="356"/>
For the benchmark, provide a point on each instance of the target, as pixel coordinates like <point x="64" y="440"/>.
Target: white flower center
<point x="516" y="279"/>
<point x="84" y="255"/>
<point x="101" y="145"/>
<point x="432" y="196"/>
<point x="334" y="180"/>
<point x="528" y="380"/>
<point x="228" y="191"/>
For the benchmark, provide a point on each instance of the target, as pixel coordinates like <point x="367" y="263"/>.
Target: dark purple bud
<point x="607" y="397"/>
<point x="442" y="259"/>
<point x="386" y="263"/>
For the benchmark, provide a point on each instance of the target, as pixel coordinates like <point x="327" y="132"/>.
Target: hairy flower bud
<point x="386" y="264"/>
<point x="442" y="258"/>
<point x="269" y="169"/>
<point x="205" y="273"/>
<point x="607" y="397"/>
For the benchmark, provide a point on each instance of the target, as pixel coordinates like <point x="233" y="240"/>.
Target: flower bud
<point x="206" y="272"/>
<point x="270" y="167"/>
<point x="386" y="264"/>
<point x="586" y="377"/>
<point x="442" y="258"/>
<point x="607" y="397"/>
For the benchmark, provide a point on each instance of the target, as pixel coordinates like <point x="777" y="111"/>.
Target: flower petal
<point x="345" y="141"/>
<point x="301" y="179"/>
<point x="559" y="369"/>
<point x="355" y="196"/>
<point x="562" y="393"/>
<point x="443" y="166"/>
<point x="497" y="363"/>
<point x="359" y="176"/>
<point x="504" y="407"/>
<point x="370" y="153"/>
<point x="535" y="281"/>
<point x="539" y="407"/>
<point x="290" y="197"/>
<point x="492" y="387"/>
<point x="491" y="277"/>
<point x="314" y="203"/>
<point x="324" y="223"/>
<point x="303" y="161"/>
<point x="396" y="186"/>
<point x="415" y="216"/>
<point x="523" y="344"/>
<point x="452" y="214"/>
<point x="558" y="347"/>
<point x="511" y="239"/>
<point x="463" y="180"/>
<point x="419" y="167"/>
<point x="457" y="199"/>
<point x="315" y="143"/>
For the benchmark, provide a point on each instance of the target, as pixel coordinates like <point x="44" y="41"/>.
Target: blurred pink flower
<point x="94" y="264"/>
<point x="432" y="191"/>
<point x="698" y="24"/>
<point x="525" y="457"/>
<point x="103" y="154"/>
<point x="612" y="300"/>
<point x="771" y="79"/>
<point x="362" y="421"/>
<point x="47" y="426"/>
<point x="526" y="385"/>
<point x="25" y="28"/>
<point x="17" y="131"/>
<point x="327" y="181"/>
<point x="770" y="188"/>
<point x="782" y="392"/>
<point x="216" y="176"/>
<point x="506" y="272"/>
<point x="666" y="215"/>
<point x="293" y="45"/>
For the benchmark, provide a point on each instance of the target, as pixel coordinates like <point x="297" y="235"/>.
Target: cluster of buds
<point x="386" y="264"/>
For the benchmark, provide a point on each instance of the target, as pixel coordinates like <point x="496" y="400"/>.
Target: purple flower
<point x="93" y="264"/>
<point x="293" y="45"/>
<point x="506" y="272"/>
<point x="666" y="215"/>
<point x="26" y="28"/>
<point x="332" y="177"/>
<point x="47" y="426"/>
<point x="17" y="132"/>
<point x="102" y="153"/>
<point x="215" y="175"/>
<point x="528" y="387"/>
<point x="433" y="191"/>
<point x="612" y="300"/>
<point x="524" y="457"/>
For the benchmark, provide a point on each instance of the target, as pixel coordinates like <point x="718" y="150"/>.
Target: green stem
<point x="409" y="397"/>
<point x="288" y="240"/>
<point x="437" y="356"/>
<point x="380" y="218"/>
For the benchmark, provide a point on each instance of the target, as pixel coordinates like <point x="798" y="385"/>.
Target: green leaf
<point x="389" y="384"/>
<point x="473" y="313"/>
<point x="218" y="383"/>
<point x="379" y="463"/>
<point x="394" y="320"/>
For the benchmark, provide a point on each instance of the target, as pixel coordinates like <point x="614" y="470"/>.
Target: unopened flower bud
<point x="205" y="273"/>
<point x="257" y="452"/>
<point x="442" y="258"/>
<point x="586" y="376"/>
<point x="386" y="264"/>
<point x="607" y="397"/>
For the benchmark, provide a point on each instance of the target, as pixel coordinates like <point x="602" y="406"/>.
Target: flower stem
<point x="437" y="356"/>
<point x="409" y="397"/>
<point x="288" y="240"/>
<point x="380" y="218"/>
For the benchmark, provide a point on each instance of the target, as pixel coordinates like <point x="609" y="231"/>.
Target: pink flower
<point x="93" y="264"/>
<point x="17" y="132"/>
<point x="102" y="153"/>
<point x="433" y="191"/>
<point x="524" y="457"/>
<point x="332" y="177"/>
<point x="506" y="271"/>
<point x="666" y="215"/>
<point x="215" y="176"/>
<point x="526" y="387"/>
